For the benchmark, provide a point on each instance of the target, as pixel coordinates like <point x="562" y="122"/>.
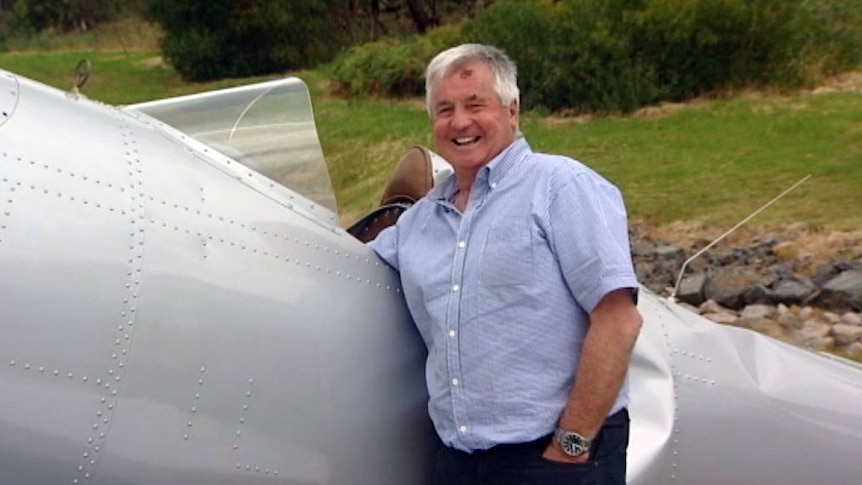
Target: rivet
<point x="186" y="437"/>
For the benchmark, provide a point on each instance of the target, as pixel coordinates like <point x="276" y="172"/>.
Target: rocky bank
<point x="794" y="285"/>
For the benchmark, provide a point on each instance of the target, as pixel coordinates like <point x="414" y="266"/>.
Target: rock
<point x="789" y="321"/>
<point x="758" y="312"/>
<point x="670" y="253"/>
<point x="792" y="291"/>
<point x="691" y="289"/>
<point x="727" y="286"/>
<point x="831" y="317"/>
<point x="710" y="306"/>
<point x="767" y="327"/>
<point x="843" y="291"/>
<point x="725" y="318"/>
<point x="851" y="318"/>
<point x="854" y="350"/>
<point x="820" y="344"/>
<point x="846" y="334"/>
<point x="812" y="330"/>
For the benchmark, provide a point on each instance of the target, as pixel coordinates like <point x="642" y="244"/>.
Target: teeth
<point x="464" y="141"/>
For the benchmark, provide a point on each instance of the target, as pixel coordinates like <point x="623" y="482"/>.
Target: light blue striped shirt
<point x="501" y="294"/>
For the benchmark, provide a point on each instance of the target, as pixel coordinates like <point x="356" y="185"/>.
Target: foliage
<point x="233" y="38"/>
<point x="619" y="55"/>
<point x="389" y="67"/>
<point x="33" y="16"/>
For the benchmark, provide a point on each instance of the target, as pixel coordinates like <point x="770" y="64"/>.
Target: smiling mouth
<point x="466" y="140"/>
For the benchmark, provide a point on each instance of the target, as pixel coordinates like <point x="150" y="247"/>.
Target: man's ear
<point x="513" y="115"/>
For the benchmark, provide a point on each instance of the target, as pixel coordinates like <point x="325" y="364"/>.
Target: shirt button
<point x="494" y="185"/>
<point x="455" y="382"/>
<point x="455" y="288"/>
<point x="462" y="244"/>
<point x="451" y="333"/>
<point x="462" y="429"/>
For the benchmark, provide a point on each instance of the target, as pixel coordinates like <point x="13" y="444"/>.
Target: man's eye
<point x="444" y="111"/>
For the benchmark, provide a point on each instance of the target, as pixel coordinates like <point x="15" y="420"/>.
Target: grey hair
<point x="504" y="70"/>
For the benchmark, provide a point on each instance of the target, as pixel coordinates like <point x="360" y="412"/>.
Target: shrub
<point x="619" y="55"/>
<point x="209" y="39"/>
<point x="390" y="67"/>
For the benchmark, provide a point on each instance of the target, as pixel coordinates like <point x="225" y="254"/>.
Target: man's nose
<point x="461" y="118"/>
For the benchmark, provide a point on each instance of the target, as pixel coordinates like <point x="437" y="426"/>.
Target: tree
<point x="209" y="39"/>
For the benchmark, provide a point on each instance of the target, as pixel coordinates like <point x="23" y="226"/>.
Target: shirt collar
<point x="491" y="174"/>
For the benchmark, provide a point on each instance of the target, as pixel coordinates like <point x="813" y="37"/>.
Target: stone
<point x="727" y="286"/>
<point x="846" y="334"/>
<point x="792" y="291"/>
<point x="691" y="289"/>
<point x="789" y="321"/>
<point x="710" y="306"/>
<point x="854" y="350"/>
<point x="823" y="344"/>
<point x="851" y="318"/>
<point x="812" y="330"/>
<point x="843" y="291"/>
<point x="725" y="318"/>
<point x="757" y="295"/>
<point x="758" y="312"/>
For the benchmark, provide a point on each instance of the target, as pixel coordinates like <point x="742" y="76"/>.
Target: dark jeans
<point x="522" y="464"/>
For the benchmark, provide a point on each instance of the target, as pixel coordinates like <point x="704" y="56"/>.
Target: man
<point x="518" y="274"/>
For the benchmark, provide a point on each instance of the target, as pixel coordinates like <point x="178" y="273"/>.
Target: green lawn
<point x="711" y="162"/>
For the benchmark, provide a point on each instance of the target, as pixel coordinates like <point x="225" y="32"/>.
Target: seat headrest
<point x="411" y="179"/>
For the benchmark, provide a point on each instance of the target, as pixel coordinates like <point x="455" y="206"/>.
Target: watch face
<point x="573" y="444"/>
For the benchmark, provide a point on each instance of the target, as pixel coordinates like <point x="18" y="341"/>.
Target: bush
<point x="619" y="55"/>
<point x="210" y="39"/>
<point x="390" y="67"/>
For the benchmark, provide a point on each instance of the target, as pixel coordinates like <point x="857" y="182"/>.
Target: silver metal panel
<point x="214" y="329"/>
<point x="714" y="404"/>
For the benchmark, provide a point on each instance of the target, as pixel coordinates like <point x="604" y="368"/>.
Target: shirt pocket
<point x="507" y="255"/>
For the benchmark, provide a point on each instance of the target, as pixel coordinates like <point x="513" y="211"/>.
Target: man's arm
<point x="614" y="327"/>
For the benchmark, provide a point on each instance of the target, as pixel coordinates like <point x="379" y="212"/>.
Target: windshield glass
<point x="268" y="127"/>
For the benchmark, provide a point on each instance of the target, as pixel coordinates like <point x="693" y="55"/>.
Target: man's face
<point x="470" y="125"/>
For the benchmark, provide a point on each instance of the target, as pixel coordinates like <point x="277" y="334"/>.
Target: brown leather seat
<point x="410" y="181"/>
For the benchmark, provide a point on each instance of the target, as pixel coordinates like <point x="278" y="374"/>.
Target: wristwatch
<point x="572" y="443"/>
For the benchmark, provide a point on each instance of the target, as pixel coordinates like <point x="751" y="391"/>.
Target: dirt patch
<point x="808" y="245"/>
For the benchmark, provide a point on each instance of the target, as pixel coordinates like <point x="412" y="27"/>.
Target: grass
<point x="710" y="162"/>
